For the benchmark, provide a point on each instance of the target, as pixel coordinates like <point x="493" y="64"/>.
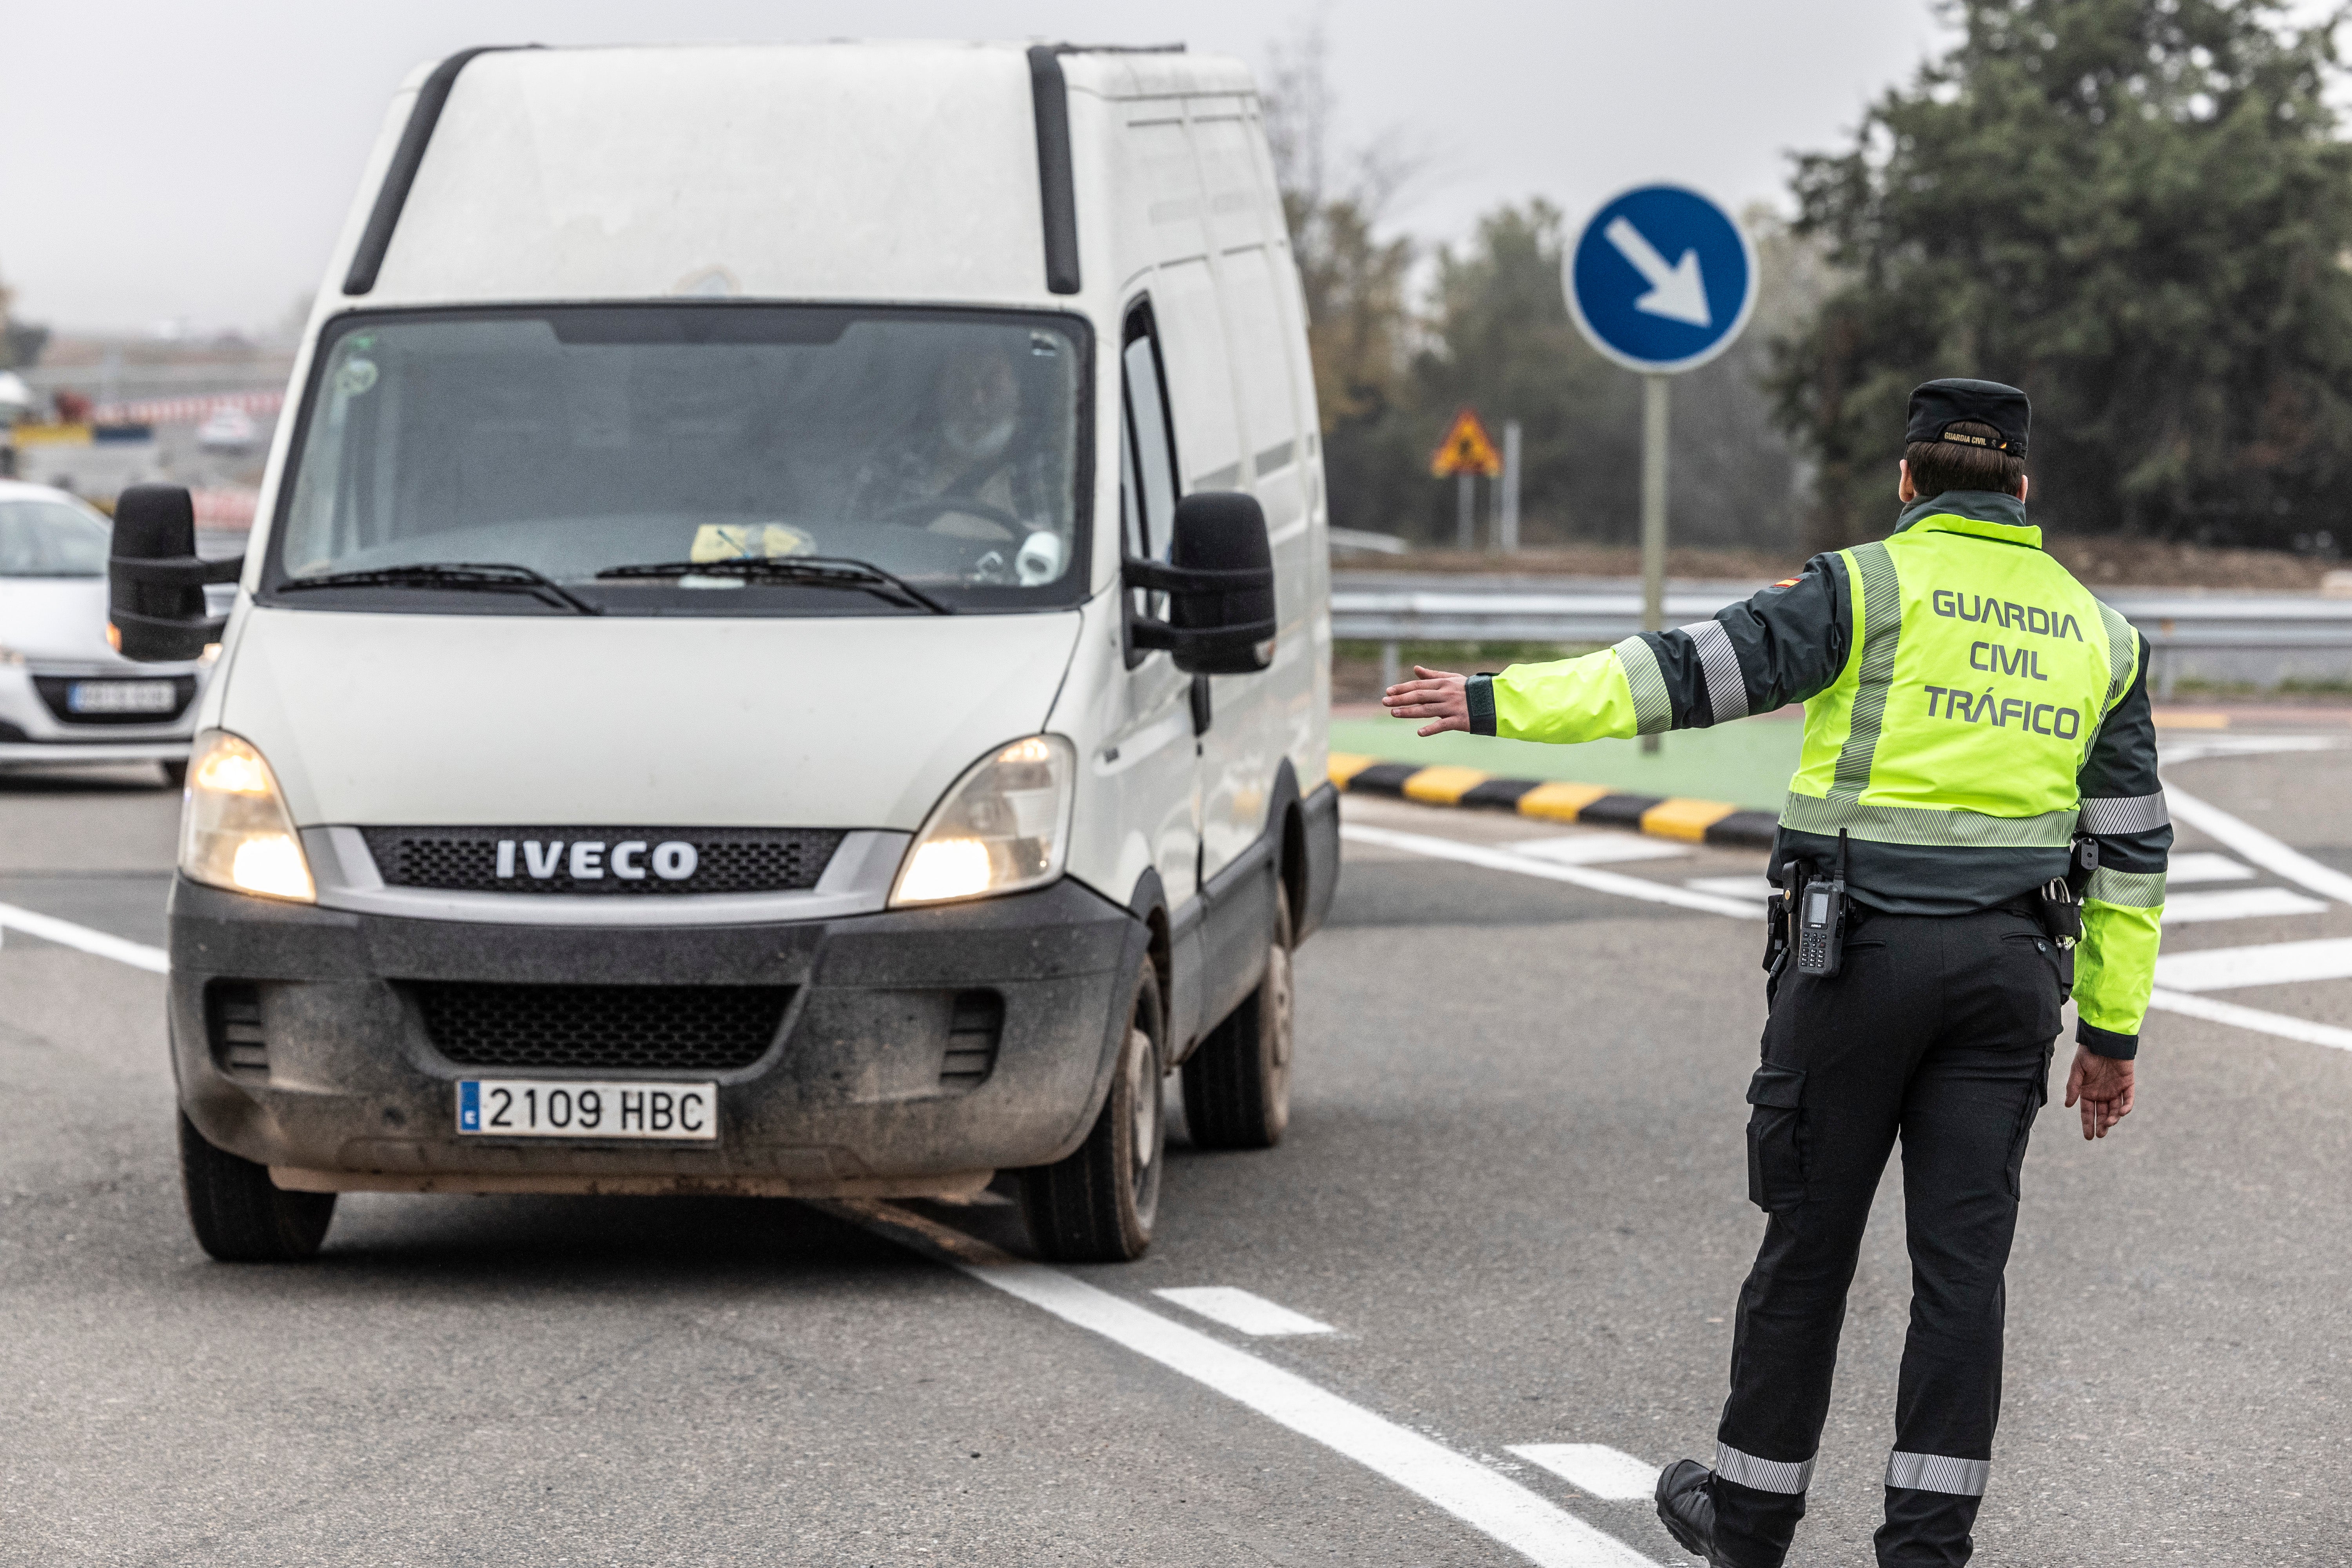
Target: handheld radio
<point x="1821" y="921"/>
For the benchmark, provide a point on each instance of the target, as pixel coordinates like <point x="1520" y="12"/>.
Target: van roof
<point x="899" y="172"/>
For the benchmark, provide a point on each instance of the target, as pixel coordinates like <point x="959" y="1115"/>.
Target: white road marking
<point x="1605" y="1472"/>
<point x="1600" y="848"/>
<point x="2252" y="1018"/>
<point x="2205" y="746"/>
<point x="2273" y="963"/>
<point x="2259" y="847"/>
<point x="2204" y="866"/>
<point x="2180" y="909"/>
<point x="1241" y="1309"/>
<point x="1532" y="1525"/>
<point x="1749" y="887"/>
<point x="65" y="933"/>
<point x="2239" y="904"/>
<point x="2278" y="1024"/>
<point x="1500" y="859"/>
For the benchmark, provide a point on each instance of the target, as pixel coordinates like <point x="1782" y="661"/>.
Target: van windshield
<point x="943" y="448"/>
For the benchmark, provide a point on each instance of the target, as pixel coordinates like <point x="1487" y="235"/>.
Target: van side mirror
<point x="155" y="581"/>
<point x="1219" y="580"/>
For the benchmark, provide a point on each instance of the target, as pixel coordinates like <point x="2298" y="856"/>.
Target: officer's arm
<point x="1782" y="645"/>
<point x="2124" y="814"/>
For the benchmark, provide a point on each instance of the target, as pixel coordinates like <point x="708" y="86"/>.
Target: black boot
<point x="1687" y="1507"/>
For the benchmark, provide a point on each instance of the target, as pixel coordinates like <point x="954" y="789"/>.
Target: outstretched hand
<point x="2104" y="1085"/>
<point x="1433" y="694"/>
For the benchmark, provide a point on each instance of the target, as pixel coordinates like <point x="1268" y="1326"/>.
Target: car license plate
<point x="571" y="1107"/>
<point x="122" y="697"/>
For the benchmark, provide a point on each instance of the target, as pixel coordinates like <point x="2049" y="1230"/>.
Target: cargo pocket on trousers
<point x="1776" y="1160"/>
<point x="2037" y="1095"/>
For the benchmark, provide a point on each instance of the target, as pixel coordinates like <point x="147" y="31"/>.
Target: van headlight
<point x="235" y="832"/>
<point x="1003" y="827"/>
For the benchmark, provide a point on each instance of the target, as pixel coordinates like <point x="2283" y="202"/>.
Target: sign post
<point x="1660" y="318"/>
<point x="1466" y="453"/>
<point x="1507" y="528"/>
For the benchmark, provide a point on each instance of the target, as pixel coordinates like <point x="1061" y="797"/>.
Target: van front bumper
<point x="349" y="1091"/>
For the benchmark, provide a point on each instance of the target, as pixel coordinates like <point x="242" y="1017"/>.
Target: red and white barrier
<point x="225" y="509"/>
<point x="186" y="410"/>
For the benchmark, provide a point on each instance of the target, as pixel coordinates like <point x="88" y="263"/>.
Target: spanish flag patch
<point x="1788" y="581"/>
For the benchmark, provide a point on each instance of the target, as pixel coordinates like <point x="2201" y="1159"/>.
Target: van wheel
<point x="239" y="1214"/>
<point x="174" y="773"/>
<point x="1096" y="1206"/>
<point x="1237" y="1084"/>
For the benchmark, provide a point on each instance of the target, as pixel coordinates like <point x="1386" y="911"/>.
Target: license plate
<point x="571" y="1107"/>
<point x="122" y="697"/>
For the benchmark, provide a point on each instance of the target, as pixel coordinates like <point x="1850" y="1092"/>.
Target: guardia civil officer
<point x="1975" y="825"/>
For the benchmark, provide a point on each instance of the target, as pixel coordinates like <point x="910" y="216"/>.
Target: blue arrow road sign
<point x="1661" y="279"/>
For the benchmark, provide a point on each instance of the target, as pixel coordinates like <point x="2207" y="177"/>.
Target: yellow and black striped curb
<point x="1668" y="816"/>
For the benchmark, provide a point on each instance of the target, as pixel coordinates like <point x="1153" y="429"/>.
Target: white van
<point x="786" y="651"/>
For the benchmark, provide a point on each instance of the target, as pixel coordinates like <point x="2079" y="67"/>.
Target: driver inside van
<point x="965" y="470"/>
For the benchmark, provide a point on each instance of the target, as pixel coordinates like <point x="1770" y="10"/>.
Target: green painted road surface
<point x="1746" y="763"/>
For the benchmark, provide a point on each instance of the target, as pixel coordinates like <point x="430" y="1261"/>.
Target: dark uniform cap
<point x="1937" y="405"/>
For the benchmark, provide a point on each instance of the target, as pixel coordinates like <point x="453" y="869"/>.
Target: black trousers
<point x="1939" y="1030"/>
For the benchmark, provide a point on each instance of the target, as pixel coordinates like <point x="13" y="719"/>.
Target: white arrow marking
<point x="1676" y="293"/>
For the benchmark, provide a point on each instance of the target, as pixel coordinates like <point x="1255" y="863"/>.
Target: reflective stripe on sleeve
<point x="1924" y="824"/>
<point x="1654" y="711"/>
<point x="2127" y="889"/>
<point x="1727" y="688"/>
<point x="1763" y="1475"/>
<point x="2124" y="812"/>
<point x="2123" y="656"/>
<point x="1938" y="1473"/>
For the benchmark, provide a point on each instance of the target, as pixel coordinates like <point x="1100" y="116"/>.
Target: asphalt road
<point x="1513" y="1189"/>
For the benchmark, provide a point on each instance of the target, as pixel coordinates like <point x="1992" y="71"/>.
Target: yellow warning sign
<point x="1467" y="450"/>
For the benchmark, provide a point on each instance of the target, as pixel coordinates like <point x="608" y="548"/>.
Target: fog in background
<point x="191" y="164"/>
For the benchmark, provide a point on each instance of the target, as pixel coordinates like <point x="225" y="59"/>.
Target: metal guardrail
<point x="1390" y="609"/>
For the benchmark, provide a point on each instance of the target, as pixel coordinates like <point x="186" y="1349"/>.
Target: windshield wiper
<point x="470" y="576"/>
<point x="807" y="571"/>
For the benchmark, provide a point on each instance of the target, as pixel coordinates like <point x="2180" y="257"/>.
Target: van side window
<point x="1149" y="449"/>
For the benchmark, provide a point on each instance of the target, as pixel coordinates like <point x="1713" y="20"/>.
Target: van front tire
<point x="239" y="1214"/>
<point x="1097" y="1206"/>
<point x="1238" y="1083"/>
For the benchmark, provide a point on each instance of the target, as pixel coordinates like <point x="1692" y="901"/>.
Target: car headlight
<point x="235" y="831"/>
<point x="1003" y="827"/>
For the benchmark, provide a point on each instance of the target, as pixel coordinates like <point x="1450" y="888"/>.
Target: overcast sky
<point x="162" y="161"/>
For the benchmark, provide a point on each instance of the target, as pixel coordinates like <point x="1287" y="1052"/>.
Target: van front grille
<point x="606" y="861"/>
<point x="664" y="1028"/>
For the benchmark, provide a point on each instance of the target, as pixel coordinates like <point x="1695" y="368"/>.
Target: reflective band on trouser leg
<point x="1727" y="688"/>
<point x="2125" y="812"/>
<point x="1882" y="633"/>
<point x="1763" y="1475"/>
<point x="1938" y="1473"/>
<point x="1653" y="709"/>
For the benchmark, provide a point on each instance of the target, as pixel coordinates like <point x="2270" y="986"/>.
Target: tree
<point x="1360" y="321"/>
<point x="2137" y="210"/>
<point x="20" y="341"/>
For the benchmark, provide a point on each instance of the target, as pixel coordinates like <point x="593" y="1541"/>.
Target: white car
<point x="66" y="696"/>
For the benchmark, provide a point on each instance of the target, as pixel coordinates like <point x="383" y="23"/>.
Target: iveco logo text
<point x="673" y="860"/>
